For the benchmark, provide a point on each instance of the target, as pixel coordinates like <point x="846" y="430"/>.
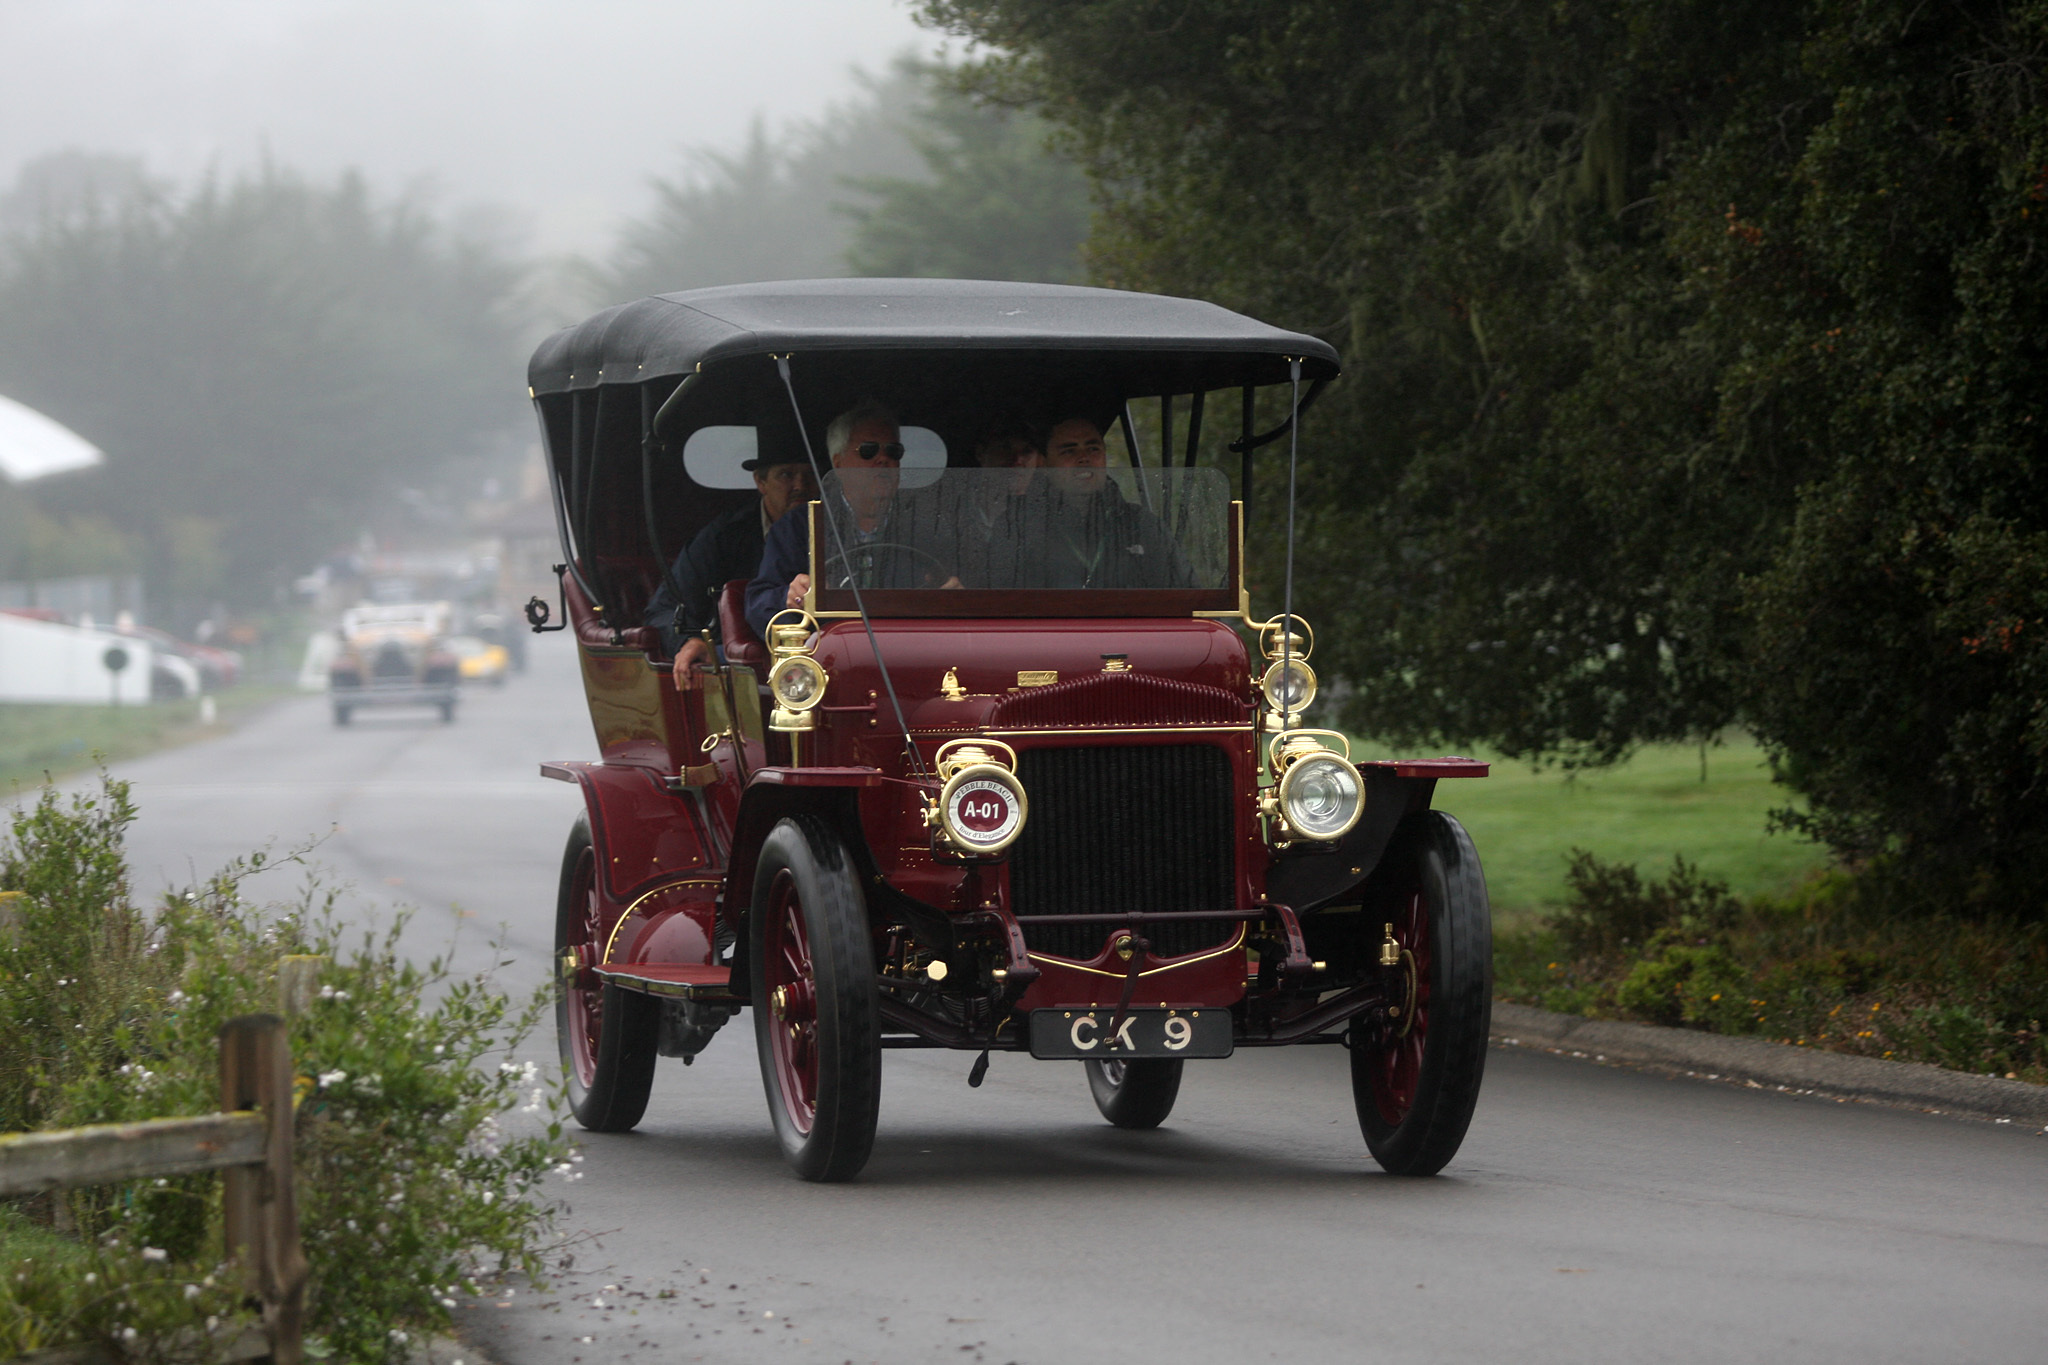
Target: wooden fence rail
<point x="250" y="1143"/>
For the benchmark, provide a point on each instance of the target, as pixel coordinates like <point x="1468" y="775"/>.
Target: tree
<point x="909" y="178"/>
<point x="772" y="210"/>
<point x="263" y="362"/>
<point x="996" y="202"/>
<point x="1692" y="353"/>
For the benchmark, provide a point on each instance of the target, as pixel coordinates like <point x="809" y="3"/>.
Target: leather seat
<point x="742" y="646"/>
<point x="594" y="633"/>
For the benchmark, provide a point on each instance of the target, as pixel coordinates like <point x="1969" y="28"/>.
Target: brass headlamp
<point x="1317" y="794"/>
<point x="795" y="679"/>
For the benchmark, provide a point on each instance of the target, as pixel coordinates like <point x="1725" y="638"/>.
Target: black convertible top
<point x="1153" y="342"/>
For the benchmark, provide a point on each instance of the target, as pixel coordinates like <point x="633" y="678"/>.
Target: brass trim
<point x="1037" y="677"/>
<point x="1070" y="965"/>
<point x="642" y="899"/>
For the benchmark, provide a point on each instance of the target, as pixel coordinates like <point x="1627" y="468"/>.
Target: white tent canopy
<point x="31" y="445"/>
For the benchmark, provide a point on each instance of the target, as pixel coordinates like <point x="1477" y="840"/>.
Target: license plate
<point x="1057" y="1033"/>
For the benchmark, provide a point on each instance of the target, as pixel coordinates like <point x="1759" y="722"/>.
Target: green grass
<point x="36" y="739"/>
<point x="1525" y="823"/>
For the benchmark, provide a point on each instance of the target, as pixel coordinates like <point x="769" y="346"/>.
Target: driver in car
<point x="867" y="451"/>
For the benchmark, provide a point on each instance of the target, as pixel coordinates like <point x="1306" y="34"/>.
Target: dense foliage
<point x="265" y="361"/>
<point x="425" y="1154"/>
<point x="1692" y="352"/>
<point x="909" y="178"/>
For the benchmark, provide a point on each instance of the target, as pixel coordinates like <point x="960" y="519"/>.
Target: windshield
<point x="1047" y="530"/>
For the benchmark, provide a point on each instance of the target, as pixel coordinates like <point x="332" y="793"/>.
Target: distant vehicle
<point x="1023" y="772"/>
<point x="482" y="661"/>
<point x="212" y="668"/>
<point x="394" y="654"/>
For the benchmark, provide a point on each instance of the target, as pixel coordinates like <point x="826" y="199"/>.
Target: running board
<point x="675" y="981"/>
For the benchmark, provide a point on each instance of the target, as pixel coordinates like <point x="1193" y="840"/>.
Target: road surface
<point x="1595" y="1214"/>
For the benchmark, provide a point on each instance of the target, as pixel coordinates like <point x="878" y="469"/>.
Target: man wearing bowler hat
<point x="728" y="548"/>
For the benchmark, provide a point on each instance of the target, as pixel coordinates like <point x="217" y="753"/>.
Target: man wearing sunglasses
<point x="867" y="451"/>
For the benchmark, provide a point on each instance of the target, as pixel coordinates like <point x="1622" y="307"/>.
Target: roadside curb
<point x="1713" y="1056"/>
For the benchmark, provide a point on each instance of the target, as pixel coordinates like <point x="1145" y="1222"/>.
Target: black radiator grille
<point x="1113" y="830"/>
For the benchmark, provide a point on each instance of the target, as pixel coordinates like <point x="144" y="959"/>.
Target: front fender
<point x="773" y="793"/>
<point x="642" y="833"/>
<point x="1305" y="880"/>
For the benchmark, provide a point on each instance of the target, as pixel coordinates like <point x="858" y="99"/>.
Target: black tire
<point x="1415" y="1084"/>
<point x="817" y="1018"/>
<point x="447" y="713"/>
<point x="610" y="1074"/>
<point x="1135" y="1094"/>
<point x="341" y="715"/>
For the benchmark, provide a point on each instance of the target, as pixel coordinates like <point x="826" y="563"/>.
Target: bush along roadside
<point x="1827" y="965"/>
<point x="426" y="1155"/>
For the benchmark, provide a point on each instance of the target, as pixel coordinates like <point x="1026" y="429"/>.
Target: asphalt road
<point x="1595" y="1213"/>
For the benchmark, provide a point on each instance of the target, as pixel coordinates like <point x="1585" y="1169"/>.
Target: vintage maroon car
<point x="959" y="800"/>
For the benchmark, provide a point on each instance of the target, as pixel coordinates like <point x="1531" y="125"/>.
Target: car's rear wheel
<point x="341" y="714"/>
<point x="1135" y="1094"/>
<point x="607" y="1036"/>
<point x="447" y="712"/>
<point x="1415" y="1078"/>
<point x="817" y="1019"/>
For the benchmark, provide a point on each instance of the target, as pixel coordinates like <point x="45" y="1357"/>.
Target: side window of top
<point x="713" y="456"/>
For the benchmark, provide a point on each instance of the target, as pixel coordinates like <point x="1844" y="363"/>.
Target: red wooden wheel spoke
<point x="792" y="981"/>
<point x="586" y="1001"/>
<point x="1397" y="1068"/>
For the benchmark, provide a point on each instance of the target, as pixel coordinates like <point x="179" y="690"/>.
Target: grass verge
<point x="39" y="741"/>
<point x="1650" y="891"/>
<point x="1663" y="801"/>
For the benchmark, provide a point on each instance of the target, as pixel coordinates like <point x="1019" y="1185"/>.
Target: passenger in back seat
<point x="728" y="548"/>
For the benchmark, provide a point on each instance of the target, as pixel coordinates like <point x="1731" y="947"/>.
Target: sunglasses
<point x="867" y="450"/>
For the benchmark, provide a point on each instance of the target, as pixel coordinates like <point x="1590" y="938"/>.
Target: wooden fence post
<point x="259" y="1202"/>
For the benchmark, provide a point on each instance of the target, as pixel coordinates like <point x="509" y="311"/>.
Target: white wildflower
<point x="490" y="1196"/>
<point x="328" y="1078"/>
<point x="154" y="1254"/>
<point x="191" y="1291"/>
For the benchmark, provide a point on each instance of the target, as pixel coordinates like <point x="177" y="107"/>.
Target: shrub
<point x="1610" y="909"/>
<point x="1836" y="962"/>
<point x="411" y="1185"/>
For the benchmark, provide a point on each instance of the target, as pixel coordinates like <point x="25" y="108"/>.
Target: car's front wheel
<point x="817" y="1018"/>
<point x="1135" y="1094"/>
<point x="1415" y="1077"/>
<point x="607" y="1036"/>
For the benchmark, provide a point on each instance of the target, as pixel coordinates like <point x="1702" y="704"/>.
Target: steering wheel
<point x="938" y="566"/>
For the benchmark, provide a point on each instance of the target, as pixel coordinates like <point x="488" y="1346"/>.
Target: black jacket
<point x="728" y="548"/>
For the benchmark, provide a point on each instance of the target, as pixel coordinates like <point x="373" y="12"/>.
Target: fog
<point x="282" y="261"/>
<point x="559" y="114"/>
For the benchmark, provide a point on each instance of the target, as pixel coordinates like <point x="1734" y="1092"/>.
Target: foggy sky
<point x="559" y="112"/>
